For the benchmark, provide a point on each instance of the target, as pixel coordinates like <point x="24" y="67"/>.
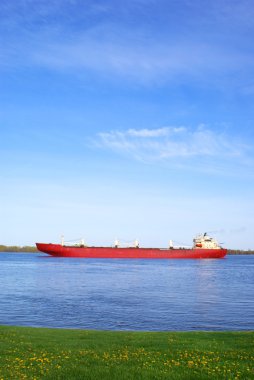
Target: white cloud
<point x="159" y="132"/>
<point x="176" y="145"/>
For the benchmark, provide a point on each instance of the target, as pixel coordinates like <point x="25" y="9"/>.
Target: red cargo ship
<point x="204" y="247"/>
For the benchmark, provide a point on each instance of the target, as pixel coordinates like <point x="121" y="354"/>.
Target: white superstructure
<point x="206" y="242"/>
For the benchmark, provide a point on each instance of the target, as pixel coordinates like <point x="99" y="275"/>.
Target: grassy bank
<point x="31" y="353"/>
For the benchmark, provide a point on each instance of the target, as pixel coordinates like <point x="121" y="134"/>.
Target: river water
<point x="111" y="294"/>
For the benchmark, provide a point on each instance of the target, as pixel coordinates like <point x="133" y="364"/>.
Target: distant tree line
<point x="14" y="248"/>
<point x="240" y="252"/>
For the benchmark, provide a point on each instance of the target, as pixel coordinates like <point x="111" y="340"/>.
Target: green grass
<point x="34" y="353"/>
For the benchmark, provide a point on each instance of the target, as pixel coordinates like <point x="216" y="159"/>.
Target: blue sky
<point x="128" y="119"/>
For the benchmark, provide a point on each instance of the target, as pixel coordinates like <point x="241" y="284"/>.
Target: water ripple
<point x="38" y="290"/>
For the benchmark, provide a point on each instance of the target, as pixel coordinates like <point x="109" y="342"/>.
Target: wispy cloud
<point x="43" y="36"/>
<point x="121" y="54"/>
<point x="173" y="144"/>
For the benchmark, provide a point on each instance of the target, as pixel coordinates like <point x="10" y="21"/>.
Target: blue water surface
<point x="112" y="294"/>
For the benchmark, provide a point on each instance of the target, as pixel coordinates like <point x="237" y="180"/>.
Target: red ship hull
<point x="58" y="250"/>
